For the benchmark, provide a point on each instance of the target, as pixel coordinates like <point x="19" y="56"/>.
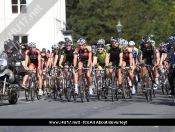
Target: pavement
<point x="137" y="107"/>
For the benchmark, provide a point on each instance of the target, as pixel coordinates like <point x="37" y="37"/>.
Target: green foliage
<point x="97" y="19"/>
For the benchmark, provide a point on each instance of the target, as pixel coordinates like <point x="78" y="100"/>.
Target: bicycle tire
<point x="87" y="93"/>
<point x="68" y="94"/>
<point x="27" y="94"/>
<point x="37" y="96"/>
<point x="99" y="89"/>
<point x="124" y="92"/>
<point x="164" y="89"/>
<point x="32" y="89"/>
<point x="82" y="91"/>
<point x="147" y="94"/>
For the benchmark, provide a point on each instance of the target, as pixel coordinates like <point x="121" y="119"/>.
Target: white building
<point x="48" y="30"/>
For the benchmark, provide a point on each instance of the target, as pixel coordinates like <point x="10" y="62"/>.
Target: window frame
<point x="19" y="7"/>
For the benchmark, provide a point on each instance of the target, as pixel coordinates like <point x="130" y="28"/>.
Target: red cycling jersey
<point x="33" y="56"/>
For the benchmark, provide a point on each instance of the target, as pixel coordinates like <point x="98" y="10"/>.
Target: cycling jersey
<point x="83" y="54"/>
<point x="53" y="53"/>
<point x="33" y="56"/>
<point x="68" y="55"/>
<point x="114" y="55"/>
<point x="44" y="57"/>
<point x="148" y="52"/>
<point x="101" y="57"/>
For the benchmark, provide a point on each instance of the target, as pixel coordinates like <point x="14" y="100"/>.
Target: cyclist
<point x="100" y="55"/>
<point x="128" y="61"/>
<point x="44" y="57"/>
<point x="163" y="53"/>
<point x="61" y="45"/>
<point x="148" y="56"/>
<point x="84" y="60"/>
<point x="66" y="58"/>
<point x="170" y="48"/>
<point x="114" y="57"/>
<point x="35" y="62"/>
<point x="52" y="55"/>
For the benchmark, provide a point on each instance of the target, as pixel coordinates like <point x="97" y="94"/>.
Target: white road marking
<point x="156" y="126"/>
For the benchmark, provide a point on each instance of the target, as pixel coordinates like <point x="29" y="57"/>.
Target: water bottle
<point x="11" y="77"/>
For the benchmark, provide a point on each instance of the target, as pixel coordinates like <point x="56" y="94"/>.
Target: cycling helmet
<point x="68" y="42"/>
<point x="125" y="44"/>
<point x="55" y="46"/>
<point x="145" y="38"/>
<point x="162" y="44"/>
<point x="131" y="43"/>
<point x="81" y="41"/>
<point x="171" y="39"/>
<point x="114" y="38"/>
<point x="32" y="44"/>
<point x="100" y="46"/>
<point x="101" y="41"/>
<point x="93" y="47"/>
<point x="61" y="44"/>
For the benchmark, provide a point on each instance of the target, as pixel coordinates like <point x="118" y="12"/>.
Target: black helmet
<point x="68" y="41"/>
<point x="146" y="38"/>
<point x="8" y="45"/>
<point x="114" y="38"/>
<point x="61" y="42"/>
<point x="100" y="46"/>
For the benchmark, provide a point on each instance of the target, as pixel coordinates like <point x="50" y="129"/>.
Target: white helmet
<point x="101" y="41"/>
<point x="32" y="44"/>
<point x="81" y="40"/>
<point x="131" y="43"/>
<point x="124" y="44"/>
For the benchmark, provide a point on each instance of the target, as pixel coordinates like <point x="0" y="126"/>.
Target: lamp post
<point x="119" y="28"/>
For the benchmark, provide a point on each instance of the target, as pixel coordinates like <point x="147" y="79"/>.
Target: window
<point x="21" y="39"/>
<point x="19" y="6"/>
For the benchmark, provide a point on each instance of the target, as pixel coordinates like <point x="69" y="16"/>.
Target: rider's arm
<point x="39" y="61"/>
<point x="107" y="59"/>
<point x="90" y="56"/>
<point x="55" y="61"/>
<point x="26" y="59"/>
<point x="75" y="57"/>
<point x="130" y="57"/>
<point x="121" y="59"/>
<point x="141" y="56"/>
<point x="157" y="57"/>
<point x="61" y="60"/>
<point x="94" y="61"/>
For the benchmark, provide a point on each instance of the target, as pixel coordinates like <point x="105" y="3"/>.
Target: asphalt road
<point x="137" y="107"/>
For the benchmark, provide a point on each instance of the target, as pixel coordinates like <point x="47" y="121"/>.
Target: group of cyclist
<point x="120" y="53"/>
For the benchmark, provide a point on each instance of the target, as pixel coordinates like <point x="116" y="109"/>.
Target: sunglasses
<point x="68" y="45"/>
<point x="81" y="44"/>
<point x="115" y="42"/>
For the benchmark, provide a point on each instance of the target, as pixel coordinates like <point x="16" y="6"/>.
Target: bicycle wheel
<point x="32" y="89"/>
<point x="124" y="88"/>
<point x="87" y="93"/>
<point x="27" y="94"/>
<point x="164" y="89"/>
<point x="82" y="91"/>
<point x="147" y="94"/>
<point x="60" y="88"/>
<point x="99" y="88"/>
<point x="68" y="93"/>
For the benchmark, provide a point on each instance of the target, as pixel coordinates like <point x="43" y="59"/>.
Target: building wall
<point x="46" y="32"/>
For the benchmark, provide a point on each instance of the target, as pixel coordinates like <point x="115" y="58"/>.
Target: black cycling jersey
<point x="114" y="54"/>
<point x="68" y="55"/>
<point x="148" y="52"/>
